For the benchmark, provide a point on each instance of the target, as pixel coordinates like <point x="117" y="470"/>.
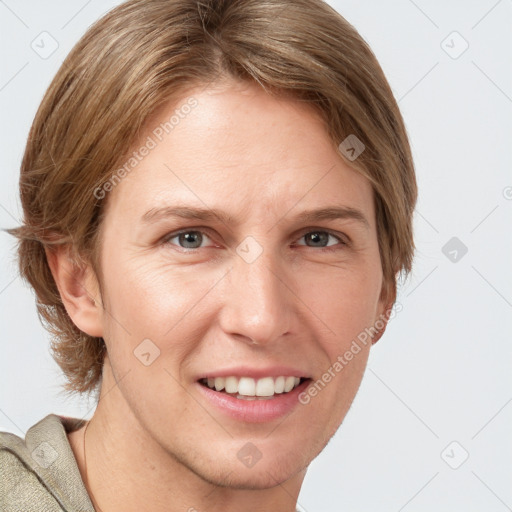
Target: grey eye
<point x="319" y="239"/>
<point x="188" y="239"/>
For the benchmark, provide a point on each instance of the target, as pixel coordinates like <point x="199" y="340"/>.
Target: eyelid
<point x="342" y="237"/>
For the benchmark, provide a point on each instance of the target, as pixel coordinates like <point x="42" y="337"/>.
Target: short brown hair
<point x="143" y="54"/>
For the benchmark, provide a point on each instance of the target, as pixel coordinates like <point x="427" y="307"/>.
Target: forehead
<point x="238" y="148"/>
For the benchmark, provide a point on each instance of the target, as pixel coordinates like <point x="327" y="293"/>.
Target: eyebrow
<point x="212" y="215"/>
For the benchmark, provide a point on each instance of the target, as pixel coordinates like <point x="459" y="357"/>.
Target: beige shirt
<point x="40" y="473"/>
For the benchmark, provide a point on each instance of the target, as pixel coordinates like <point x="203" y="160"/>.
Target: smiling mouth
<point x="247" y="388"/>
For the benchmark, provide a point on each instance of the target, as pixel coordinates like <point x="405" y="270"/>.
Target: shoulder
<point x="39" y="472"/>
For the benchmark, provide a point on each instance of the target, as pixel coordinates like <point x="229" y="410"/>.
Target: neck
<point x="125" y="469"/>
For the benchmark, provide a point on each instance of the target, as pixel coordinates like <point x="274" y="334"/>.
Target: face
<point x="217" y="272"/>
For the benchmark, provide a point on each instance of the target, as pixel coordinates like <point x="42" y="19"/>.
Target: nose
<point x="258" y="302"/>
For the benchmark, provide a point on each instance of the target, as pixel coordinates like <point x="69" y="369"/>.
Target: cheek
<point x="147" y="299"/>
<point x="345" y="301"/>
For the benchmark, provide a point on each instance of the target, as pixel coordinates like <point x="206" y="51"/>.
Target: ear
<point x="386" y="301"/>
<point x="79" y="290"/>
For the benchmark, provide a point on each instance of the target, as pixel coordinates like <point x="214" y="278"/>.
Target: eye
<point x="191" y="239"/>
<point x="321" y="239"/>
<point x="194" y="239"/>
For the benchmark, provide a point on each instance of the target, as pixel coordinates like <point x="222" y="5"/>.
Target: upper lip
<point x="255" y="373"/>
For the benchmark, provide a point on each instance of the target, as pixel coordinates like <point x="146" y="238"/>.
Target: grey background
<point x="438" y="385"/>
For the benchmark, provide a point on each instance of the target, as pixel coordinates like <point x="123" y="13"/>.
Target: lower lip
<point x="258" y="410"/>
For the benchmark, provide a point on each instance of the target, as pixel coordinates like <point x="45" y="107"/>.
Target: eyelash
<point x="342" y="243"/>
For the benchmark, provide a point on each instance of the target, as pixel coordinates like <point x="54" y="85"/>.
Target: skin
<point x="153" y="437"/>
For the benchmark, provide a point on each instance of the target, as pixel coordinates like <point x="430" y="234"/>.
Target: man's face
<point x="261" y="294"/>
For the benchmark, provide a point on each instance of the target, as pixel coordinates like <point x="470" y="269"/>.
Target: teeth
<point x="288" y="384"/>
<point x="218" y="383"/>
<point x="279" y="385"/>
<point x="247" y="386"/>
<point x="231" y="384"/>
<point x="264" y="387"/>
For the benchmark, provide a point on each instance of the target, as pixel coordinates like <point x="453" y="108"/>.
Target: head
<point x="247" y="111"/>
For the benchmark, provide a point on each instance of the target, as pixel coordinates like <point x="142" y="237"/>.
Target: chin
<point x="269" y="471"/>
<point x="271" y="475"/>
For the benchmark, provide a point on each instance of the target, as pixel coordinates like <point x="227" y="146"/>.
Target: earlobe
<point x="79" y="290"/>
<point x="381" y="323"/>
<point x="387" y="300"/>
